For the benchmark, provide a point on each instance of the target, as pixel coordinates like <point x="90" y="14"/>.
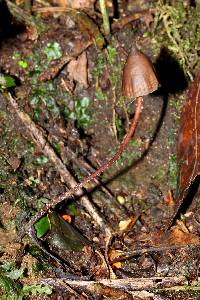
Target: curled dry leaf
<point x="188" y="144"/>
<point x="169" y="199"/>
<point x="77" y="69"/>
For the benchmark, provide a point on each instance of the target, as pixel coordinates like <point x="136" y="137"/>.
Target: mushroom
<point x="138" y="80"/>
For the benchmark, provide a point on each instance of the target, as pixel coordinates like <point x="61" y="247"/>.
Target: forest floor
<point x="62" y="115"/>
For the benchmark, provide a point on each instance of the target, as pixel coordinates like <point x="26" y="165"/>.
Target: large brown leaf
<point x="188" y="144"/>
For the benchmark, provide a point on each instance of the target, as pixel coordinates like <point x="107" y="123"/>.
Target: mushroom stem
<point x="91" y="177"/>
<point x="109" y="163"/>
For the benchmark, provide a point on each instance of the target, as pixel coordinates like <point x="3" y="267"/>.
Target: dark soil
<point x="136" y="188"/>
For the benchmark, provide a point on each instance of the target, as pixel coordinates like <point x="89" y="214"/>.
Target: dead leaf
<point x="14" y="162"/>
<point x="188" y="144"/>
<point x="169" y="199"/>
<point x="114" y="254"/>
<point x="128" y="223"/>
<point x="78" y="4"/>
<point x="57" y="65"/>
<point x="179" y="237"/>
<point x="123" y="225"/>
<point x="77" y="70"/>
<point x="117" y="264"/>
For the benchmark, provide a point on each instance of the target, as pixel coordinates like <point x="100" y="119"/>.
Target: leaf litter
<point x="188" y="153"/>
<point x="138" y="253"/>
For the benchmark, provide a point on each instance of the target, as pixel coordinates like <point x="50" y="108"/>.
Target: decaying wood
<point x="127" y="284"/>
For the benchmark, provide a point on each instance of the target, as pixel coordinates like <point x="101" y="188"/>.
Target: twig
<point x="38" y="138"/>
<point x="106" y="23"/>
<point x="79" y="161"/>
<point x="120" y="23"/>
<point x="130" y="254"/>
<point x="52" y="9"/>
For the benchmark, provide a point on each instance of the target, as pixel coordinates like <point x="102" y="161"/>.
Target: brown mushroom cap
<point x="139" y="78"/>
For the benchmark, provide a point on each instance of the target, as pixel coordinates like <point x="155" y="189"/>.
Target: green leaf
<point x="41" y="160"/>
<point x="6" y="81"/>
<point x="23" y="64"/>
<point x="42" y="226"/>
<point x="15" y="274"/>
<point x="53" y="51"/>
<point x="10" y="288"/>
<point x="112" y="54"/>
<point x="85" y="102"/>
<point x="36" y="288"/>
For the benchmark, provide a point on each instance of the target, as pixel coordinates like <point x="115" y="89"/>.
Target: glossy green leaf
<point x="42" y="226"/>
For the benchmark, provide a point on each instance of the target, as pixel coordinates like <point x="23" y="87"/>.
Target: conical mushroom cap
<point x="139" y="78"/>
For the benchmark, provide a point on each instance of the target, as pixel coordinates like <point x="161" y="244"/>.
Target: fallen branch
<point x="127" y="284"/>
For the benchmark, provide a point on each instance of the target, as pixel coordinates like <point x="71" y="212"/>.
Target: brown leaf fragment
<point x="169" y="199"/>
<point x="78" y="4"/>
<point x="58" y="64"/>
<point x="14" y="162"/>
<point x="188" y="144"/>
<point x="179" y="237"/>
<point x="77" y="69"/>
<point x="145" y="15"/>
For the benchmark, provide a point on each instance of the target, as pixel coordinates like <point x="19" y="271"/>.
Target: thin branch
<point x="130" y="254"/>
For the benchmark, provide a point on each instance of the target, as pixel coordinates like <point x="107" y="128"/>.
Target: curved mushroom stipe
<point x="138" y="80"/>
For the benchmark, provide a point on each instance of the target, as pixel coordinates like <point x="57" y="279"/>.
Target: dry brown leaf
<point x="77" y="69"/>
<point x="188" y="144"/>
<point x="14" y="162"/>
<point x="78" y="4"/>
<point x="123" y="225"/>
<point x="128" y="223"/>
<point x="169" y="199"/>
<point x="178" y="237"/>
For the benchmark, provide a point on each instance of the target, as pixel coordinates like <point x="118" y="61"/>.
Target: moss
<point x="173" y="171"/>
<point x="177" y="28"/>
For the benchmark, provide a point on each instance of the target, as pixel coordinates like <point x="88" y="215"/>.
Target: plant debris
<point x="63" y="116"/>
